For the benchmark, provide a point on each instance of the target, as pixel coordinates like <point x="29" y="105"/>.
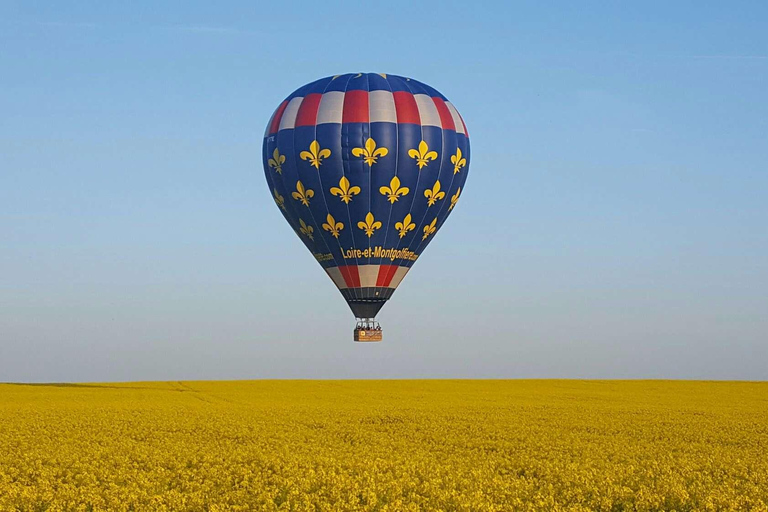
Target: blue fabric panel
<point x="353" y="135"/>
<point x="425" y="179"/>
<point x="338" y="84"/>
<point x="358" y="82"/>
<point x="408" y="136"/>
<point x="381" y="173"/>
<point x="398" y="83"/>
<point x="297" y="211"/>
<point x="310" y="176"/>
<point x="377" y="82"/>
<point x="330" y="174"/>
<point x="449" y="184"/>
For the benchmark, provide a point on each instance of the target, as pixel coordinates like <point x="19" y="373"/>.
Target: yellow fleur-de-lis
<point x="370" y="152"/>
<point x="302" y="194"/>
<point x="454" y="199"/>
<point x="277" y="161"/>
<point x="315" y="155"/>
<point x="429" y="229"/>
<point x="307" y="230"/>
<point x="344" y="191"/>
<point x="394" y="190"/>
<point x="405" y="226"/>
<point x="423" y="155"/>
<point x="280" y="200"/>
<point x="370" y="225"/>
<point x="458" y="161"/>
<point x="434" y="194"/>
<point x="332" y="226"/>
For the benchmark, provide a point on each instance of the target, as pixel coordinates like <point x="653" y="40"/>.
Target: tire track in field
<point x="201" y="395"/>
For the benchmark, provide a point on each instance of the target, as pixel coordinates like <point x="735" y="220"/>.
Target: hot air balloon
<point x="366" y="168"/>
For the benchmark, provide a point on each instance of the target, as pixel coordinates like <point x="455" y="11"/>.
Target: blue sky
<point x="613" y="224"/>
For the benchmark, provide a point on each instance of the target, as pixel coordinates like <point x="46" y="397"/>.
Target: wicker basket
<point x="367" y="334"/>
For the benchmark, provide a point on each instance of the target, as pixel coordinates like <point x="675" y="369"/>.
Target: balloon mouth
<point x="366" y="308"/>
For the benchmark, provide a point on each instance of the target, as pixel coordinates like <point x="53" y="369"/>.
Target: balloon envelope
<point x="366" y="168"/>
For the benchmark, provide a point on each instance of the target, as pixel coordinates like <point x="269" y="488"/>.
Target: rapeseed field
<point x="385" y="446"/>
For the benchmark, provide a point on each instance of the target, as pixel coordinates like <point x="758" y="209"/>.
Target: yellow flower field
<point x="385" y="445"/>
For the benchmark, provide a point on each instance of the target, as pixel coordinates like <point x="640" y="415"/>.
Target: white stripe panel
<point x="368" y="275"/>
<point x="456" y="117"/>
<point x="335" y="274"/>
<point x="427" y="110"/>
<point x="399" y="275"/>
<point x="289" y="116"/>
<point x="381" y="105"/>
<point x="331" y="107"/>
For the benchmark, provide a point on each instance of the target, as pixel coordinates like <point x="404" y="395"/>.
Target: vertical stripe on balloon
<point x="274" y="124"/>
<point x="407" y="110"/>
<point x="307" y="114"/>
<point x="331" y="108"/>
<point x="382" y="107"/>
<point x="336" y="277"/>
<point x="368" y="275"/>
<point x="399" y="275"/>
<point x="350" y="275"/>
<point x="446" y="120"/>
<point x="457" y="122"/>
<point x="355" y="107"/>
<point x="289" y="115"/>
<point x="427" y="110"/>
<point x="386" y="273"/>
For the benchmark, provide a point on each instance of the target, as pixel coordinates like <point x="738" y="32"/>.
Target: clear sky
<point x="614" y="223"/>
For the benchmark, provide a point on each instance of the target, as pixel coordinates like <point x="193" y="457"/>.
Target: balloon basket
<point x="368" y="330"/>
<point x="365" y="335"/>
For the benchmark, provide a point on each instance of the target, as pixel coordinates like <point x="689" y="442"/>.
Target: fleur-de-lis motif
<point x="332" y="226"/>
<point x="315" y="155"/>
<point x="423" y="155"/>
<point x="277" y="161"/>
<point x="280" y="200"/>
<point x="429" y="229"/>
<point x="344" y="191"/>
<point x="370" y="152"/>
<point x="394" y="190"/>
<point x="454" y="199"/>
<point x="302" y="194"/>
<point x="370" y="225"/>
<point x="434" y="194"/>
<point x="307" y="230"/>
<point x="405" y="226"/>
<point x="458" y="161"/>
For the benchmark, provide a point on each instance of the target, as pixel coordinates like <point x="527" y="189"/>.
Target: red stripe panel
<point x="407" y="110"/>
<point x="307" y="115"/>
<point x="386" y="273"/>
<point x="350" y="275"/>
<point x="355" y="107"/>
<point x="446" y="119"/>
<point x="273" y="127"/>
